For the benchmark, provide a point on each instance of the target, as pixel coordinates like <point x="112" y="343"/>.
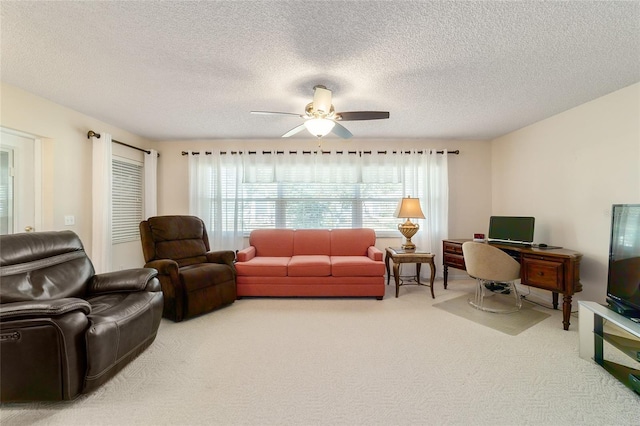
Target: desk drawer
<point x="452" y="248"/>
<point x="454" y="261"/>
<point x="543" y="273"/>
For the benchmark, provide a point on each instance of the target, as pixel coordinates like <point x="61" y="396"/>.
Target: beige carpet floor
<point x="399" y="361"/>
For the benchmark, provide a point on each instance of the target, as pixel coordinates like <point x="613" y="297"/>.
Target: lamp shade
<point x="409" y="208"/>
<point x="319" y="126"/>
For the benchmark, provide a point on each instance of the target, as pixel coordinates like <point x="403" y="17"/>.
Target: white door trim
<point x="37" y="171"/>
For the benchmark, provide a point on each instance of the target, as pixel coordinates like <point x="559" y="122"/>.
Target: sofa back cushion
<point x="312" y="242"/>
<point x="352" y="242"/>
<point x="43" y="266"/>
<point x="180" y="238"/>
<point x="272" y="242"/>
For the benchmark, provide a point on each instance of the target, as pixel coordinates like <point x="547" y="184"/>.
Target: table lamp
<point x="409" y="208"/>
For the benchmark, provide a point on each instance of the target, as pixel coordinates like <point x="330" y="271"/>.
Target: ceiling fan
<point x="320" y="118"/>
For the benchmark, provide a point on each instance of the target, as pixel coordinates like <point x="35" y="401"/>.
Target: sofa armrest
<point x="222" y="256"/>
<point x="246" y="254"/>
<point x="43" y="308"/>
<point x="374" y="253"/>
<point x="138" y="279"/>
<point x="164" y="266"/>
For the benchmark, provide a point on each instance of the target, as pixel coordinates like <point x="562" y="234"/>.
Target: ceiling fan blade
<point x="341" y="131"/>
<point x="321" y="99"/>
<point x="294" y="131"/>
<point x="276" y="113"/>
<point x="362" y="115"/>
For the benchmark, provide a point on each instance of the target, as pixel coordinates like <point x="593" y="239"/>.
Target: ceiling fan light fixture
<point x="320" y="117"/>
<point x="319" y="127"/>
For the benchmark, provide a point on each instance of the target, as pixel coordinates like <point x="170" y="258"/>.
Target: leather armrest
<point x="374" y="253"/>
<point x="42" y="308"/>
<point x="222" y="256"/>
<point x="246" y="254"/>
<point x="126" y="280"/>
<point x="164" y="266"/>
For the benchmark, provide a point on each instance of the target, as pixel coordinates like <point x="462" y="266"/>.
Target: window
<point x="6" y="191"/>
<point x="235" y="193"/>
<point x="305" y="192"/>
<point x="319" y="205"/>
<point x="127" y="184"/>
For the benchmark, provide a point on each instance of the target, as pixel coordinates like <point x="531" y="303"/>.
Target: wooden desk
<point x="416" y="256"/>
<point x="556" y="270"/>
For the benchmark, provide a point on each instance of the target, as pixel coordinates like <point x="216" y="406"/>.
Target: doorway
<point x="20" y="183"/>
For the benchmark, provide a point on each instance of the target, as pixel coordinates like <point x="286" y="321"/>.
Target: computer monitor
<point x="511" y="229"/>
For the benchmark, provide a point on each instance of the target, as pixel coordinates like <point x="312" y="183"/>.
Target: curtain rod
<point x="91" y="134"/>
<point x="456" y="152"/>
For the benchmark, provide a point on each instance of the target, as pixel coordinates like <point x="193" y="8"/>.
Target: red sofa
<point x="311" y="262"/>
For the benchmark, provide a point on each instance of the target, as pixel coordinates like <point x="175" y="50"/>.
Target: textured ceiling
<point x="187" y="70"/>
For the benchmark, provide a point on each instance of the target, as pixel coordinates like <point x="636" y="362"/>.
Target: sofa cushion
<point x="181" y="238"/>
<point x="309" y="266"/>
<point x="352" y="242"/>
<point x="185" y="252"/>
<point x="352" y="266"/>
<point x="272" y="242"/>
<point x="43" y="266"/>
<point x="312" y="242"/>
<point x="263" y="266"/>
<point x="195" y="277"/>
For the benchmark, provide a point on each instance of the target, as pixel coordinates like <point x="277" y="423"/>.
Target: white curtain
<point x="101" y="245"/>
<point x="150" y="183"/>
<point x="432" y="186"/>
<point x="215" y="185"/>
<point x="217" y="181"/>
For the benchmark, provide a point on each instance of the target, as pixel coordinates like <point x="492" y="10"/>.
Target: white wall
<point x="469" y="175"/>
<point x="66" y="155"/>
<point x="567" y="171"/>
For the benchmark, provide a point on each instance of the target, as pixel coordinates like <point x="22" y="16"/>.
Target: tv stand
<point x="612" y="341"/>
<point x="632" y="314"/>
<point x="556" y="270"/>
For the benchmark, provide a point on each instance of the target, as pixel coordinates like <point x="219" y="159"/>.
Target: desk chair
<point x="489" y="265"/>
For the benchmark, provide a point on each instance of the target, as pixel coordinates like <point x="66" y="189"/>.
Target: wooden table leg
<point x="433" y="276"/>
<point x="386" y="262"/>
<point x="555" y="300"/>
<point x="396" y="274"/>
<point x="446" y="273"/>
<point x="566" y="310"/>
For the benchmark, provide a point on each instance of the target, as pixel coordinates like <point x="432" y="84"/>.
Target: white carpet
<point x="350" y="362"/>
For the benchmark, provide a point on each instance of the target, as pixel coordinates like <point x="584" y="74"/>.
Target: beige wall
<point x="567" y="171"/>
<point x="66" y="152"/>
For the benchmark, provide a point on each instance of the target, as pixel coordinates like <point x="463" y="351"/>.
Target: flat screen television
<point x="511" y="229"/>
<point x="623" y="282"/>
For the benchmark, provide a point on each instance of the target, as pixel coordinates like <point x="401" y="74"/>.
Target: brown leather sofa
<point x="194" y="280"/>
<point x="63" y="329"/>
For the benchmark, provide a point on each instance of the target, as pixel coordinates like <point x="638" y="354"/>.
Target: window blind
<point x="127" y="191"/>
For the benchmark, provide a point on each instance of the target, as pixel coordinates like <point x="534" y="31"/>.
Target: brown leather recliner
<point x="64" y="329"/>
<point x="194" y="280"/>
